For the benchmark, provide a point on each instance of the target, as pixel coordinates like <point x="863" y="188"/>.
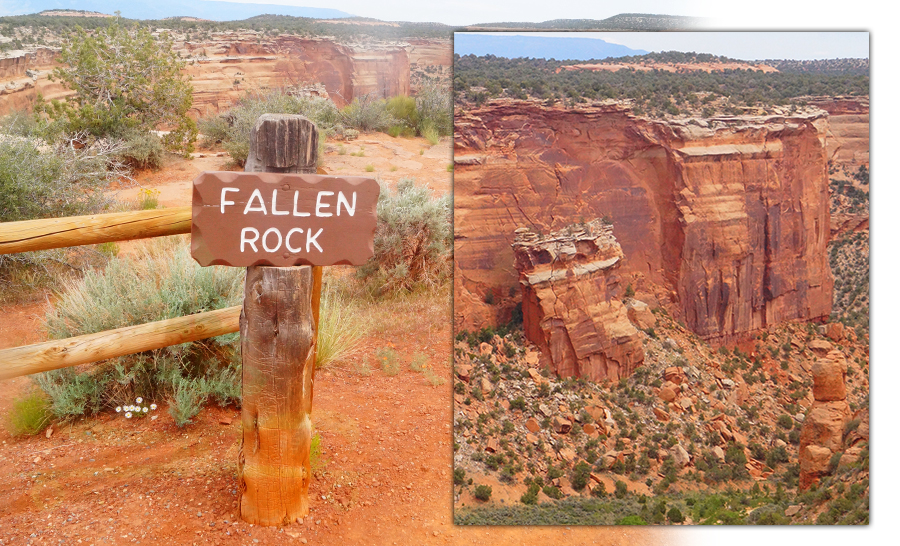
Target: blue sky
<point x="737" y="45"/>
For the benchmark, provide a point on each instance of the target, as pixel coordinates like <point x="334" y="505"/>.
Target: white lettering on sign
<point x="298" y="213"/>
<point x="320" y="205"/>
<point x="351" y="209"/>
<point x="250" y="208"/>
<point x="266" y="238"/>
<point x="224" y="202"/>
<point x="251" y="242"/>
<point x="313" y="239"/>
<point x="287" y="241"/>
<point x="276" y="212"/>
<point x="272" y="239"/>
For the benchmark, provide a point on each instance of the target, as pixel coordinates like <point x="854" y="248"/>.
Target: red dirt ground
<point x="386" y="467"/>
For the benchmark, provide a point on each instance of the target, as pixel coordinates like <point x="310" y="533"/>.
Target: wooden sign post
<point x="260" y="221"/>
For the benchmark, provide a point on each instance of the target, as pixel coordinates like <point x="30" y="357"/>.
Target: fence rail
<point x="73" y="351"/>
<point x="94" y="229"/>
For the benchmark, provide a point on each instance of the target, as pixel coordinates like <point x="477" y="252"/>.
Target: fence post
<point x="279" y="326"/>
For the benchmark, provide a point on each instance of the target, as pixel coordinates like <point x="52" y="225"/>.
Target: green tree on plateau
<point x="126" y="80"/>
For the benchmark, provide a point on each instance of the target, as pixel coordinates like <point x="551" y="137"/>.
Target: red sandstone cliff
<point x="571" y="302"/>
<point x="726" y="219"/>
<point x="822" y="433"/>
<point x="848" y="129"/>
<point x="228" y="65"/>
<point x="23" y="74"/>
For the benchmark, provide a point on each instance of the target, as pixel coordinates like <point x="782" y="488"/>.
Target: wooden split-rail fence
<point x="278" y="323"/>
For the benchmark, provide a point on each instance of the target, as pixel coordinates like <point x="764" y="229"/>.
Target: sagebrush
<point x="162" y="281"/>
<point x="413" y="241"/>
<point x="232" y="130"/>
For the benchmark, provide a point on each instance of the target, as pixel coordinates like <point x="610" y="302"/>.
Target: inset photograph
<point x="661" y="278"/>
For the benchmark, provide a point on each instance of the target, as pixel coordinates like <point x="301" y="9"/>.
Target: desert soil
<point x="385" y="472"/>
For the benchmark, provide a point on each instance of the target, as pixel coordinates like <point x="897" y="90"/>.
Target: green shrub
<point x="214" y="130"/>
<point x="123" y="78"/>
<point x="161" y="282"/>
<point x="413" y="241"/>
<point x="185" y="402"/>
<point x="553" y="492"/>
<point x="403" y="109"/>
<point x="459" y="476"/>
<point x="148" y="199"/>
<point x="581" y="475"/>
<point x="367" y="113"/>
<point x="233" y="129"/>
<point x="631" y="520"/>
<point x="785" y="422"/>
<point x="142" y="149"/>
<point x="434" y="110"/>
<point x="38" y="180"/>
<point x="675" y="515"/>
<point x="29" y="415"/>
<point x="431" y="134"/>
<point x="530" y="496"/>
<point x="42" y="181"/>
<point x="483" y="492"/>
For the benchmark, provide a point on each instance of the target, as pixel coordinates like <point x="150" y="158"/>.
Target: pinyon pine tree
<point x="126" y="81"/>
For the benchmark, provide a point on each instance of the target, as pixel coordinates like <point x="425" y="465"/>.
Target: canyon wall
<point x="224" y="69"/>
<point x="227" y="66"/>
<point x="848" y="129"/>
<point x="725" y="221"/>
<point x="24" y="74"/>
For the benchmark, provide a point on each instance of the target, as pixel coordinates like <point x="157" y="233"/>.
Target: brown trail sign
<point x="244" y="219"/>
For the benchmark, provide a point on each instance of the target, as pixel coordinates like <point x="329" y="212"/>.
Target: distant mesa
<point x="72" y="13"/>
<point x="165" y="9"/>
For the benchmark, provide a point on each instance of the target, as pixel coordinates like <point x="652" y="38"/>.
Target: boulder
<point x="640" y="315"/>
<point x="667" y="394"/>
<point x="532" y="425"/>
<point x="560" y="425"/>
<point x="681" y="456"/>
<point x="675" y="375"/>
<point x="829" y="376"/>
<point x="834" y="331"/>
<point x="820" y="346"/>
<point x="660" y="414"/>
<point x="570" y="301"/>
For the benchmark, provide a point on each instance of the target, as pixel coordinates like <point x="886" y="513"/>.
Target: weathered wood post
<point x="283" y="225"/>
<point x="278" y="349"/>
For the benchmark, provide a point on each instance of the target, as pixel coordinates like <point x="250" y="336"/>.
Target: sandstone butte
<point x="825" y="432"/>
<point x="230" y="64"/>
<point x="571" y="301"/>
<point x="723" y="221"/>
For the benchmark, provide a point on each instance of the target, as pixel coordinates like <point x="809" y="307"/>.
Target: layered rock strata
<point x="24" y="75"/>
<point x="727" y="217"/>
<point x="821" y="435"/>
<point x="570" y="302"/>
<point x="848" y="129"/>
<point x="228" y="65"/>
